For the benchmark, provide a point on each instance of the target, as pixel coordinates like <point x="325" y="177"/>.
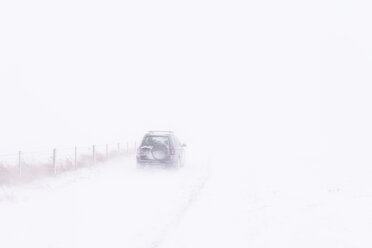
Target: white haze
<point x="279" y="73"/>
<point x="275" y="93"/>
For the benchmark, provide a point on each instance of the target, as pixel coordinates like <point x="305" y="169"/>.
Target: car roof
<point x="160" y="132"/>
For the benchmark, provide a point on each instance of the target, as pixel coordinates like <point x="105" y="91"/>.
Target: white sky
<point x="270" y="73"/>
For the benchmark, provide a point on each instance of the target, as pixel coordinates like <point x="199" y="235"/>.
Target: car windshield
<point x="155" y="140"/>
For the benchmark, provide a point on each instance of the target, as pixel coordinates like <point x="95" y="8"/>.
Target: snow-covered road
<point x="261" y="202"/>
<point x="267" y="202"/>
<point x="110" y="205"/>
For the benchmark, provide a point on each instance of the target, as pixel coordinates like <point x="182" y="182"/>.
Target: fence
<point x="55" y="161"/>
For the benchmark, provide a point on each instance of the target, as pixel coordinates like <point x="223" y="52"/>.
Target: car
<point x="161" y="148"/>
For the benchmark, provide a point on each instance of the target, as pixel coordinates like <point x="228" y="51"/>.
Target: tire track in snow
<point x="192" y="193"/>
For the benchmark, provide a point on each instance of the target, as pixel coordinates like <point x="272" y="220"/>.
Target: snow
<point x="278" y="203"/>
<point x="272" y="97"/>
<point x="112" y="204"/>
<point x="259" y="202"/>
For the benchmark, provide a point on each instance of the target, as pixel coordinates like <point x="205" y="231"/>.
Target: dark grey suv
<point x="161" y="148"/>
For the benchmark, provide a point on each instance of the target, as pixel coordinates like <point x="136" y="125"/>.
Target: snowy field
<point x="110" y="205"/>
<point x="280" y="203"/>
<point x="261" y="202"/>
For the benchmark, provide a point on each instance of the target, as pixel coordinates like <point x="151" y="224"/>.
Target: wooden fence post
<point x="107" y="151"/>
<point x="94" y="155"/>
<point x="127" y="148"/>
<point x="118" y="148"/>
<point x="55" y="161"/>
<point x="75" y="164"/>
<point x="20" y="163"/>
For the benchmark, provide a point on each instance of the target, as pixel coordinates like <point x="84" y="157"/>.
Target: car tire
<point x="178" y="164"/>
<point x="182" y="162"/>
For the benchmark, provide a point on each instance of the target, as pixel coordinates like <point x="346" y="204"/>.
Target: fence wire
<point x="62" y="159"/>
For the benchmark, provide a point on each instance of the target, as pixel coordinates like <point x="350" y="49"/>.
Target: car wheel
<point x="178" y="164"/>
